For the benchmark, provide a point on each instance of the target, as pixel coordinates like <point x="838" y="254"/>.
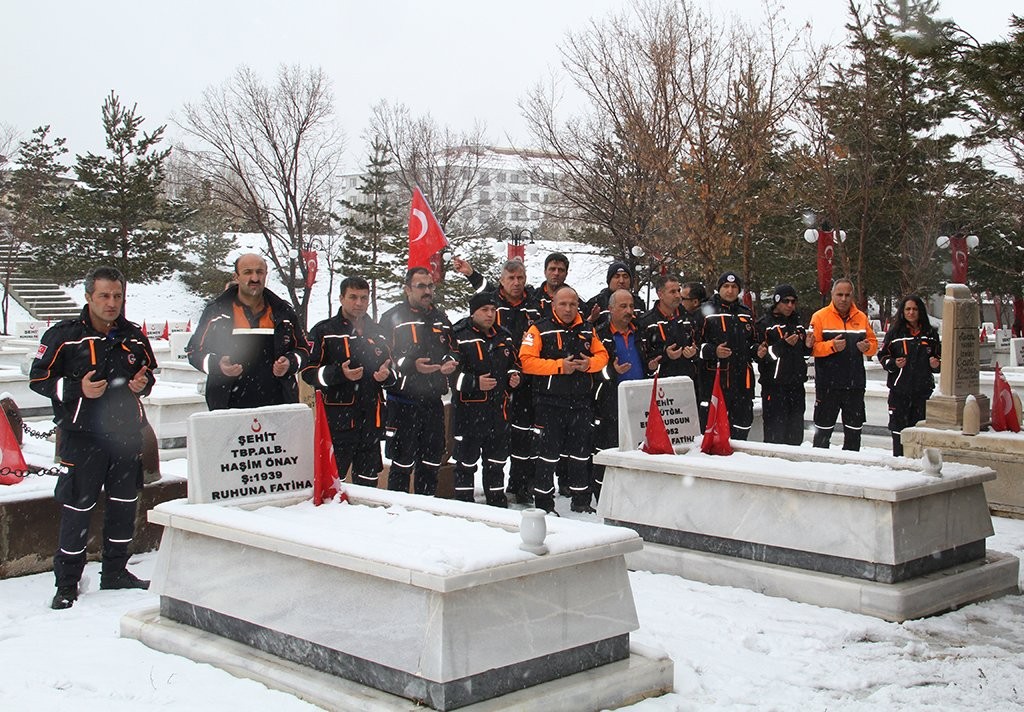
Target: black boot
<point x="64" y="598"/>
<point x="121" y="580"/>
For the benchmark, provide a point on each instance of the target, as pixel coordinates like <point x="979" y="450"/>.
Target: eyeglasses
<point x="789" y="300"/>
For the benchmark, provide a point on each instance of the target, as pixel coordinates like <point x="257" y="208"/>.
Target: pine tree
<point x="374" y="245"/>
<point x="117" y="213"/>
<point x="33" y="190"/>
<point x="207" y="223"/>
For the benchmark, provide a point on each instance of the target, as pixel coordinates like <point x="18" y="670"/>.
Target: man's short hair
<point x="410" y="274"/>
<point x="352" y="283"/>
<point x="111" y="274"/>
<point x="246" y="254"/>
<point x="842" y="280"/>
<point x="663" y="279"/>
<point x="512" y="266"/>
<point x="697" y="290"/>
<point x="556" y="257"/>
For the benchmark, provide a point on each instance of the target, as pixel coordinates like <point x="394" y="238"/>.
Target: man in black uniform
<point x="94" y="369"/>
<point x="729" y="344"/>
<point x="423" y="356"/>
<point x="515" y="312"/>
<point x="562" y="352"/>
<point x="618" y="277"/>
<point x="249" y="343"/>
<point x="783" y="369"/>
<point x="350" y="364"/>
<point x="488" y="368"/>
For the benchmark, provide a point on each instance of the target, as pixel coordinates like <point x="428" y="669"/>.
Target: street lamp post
<point x="959" y="245"/>
<point x="825" y="237"/>
<point x="516" y="242"/>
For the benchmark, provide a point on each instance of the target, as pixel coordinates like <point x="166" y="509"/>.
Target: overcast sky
<point x="458" y="59"/>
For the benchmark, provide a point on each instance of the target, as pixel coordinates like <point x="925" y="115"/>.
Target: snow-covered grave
<point x="440" y="602"/>
<point x="867" y="533"/>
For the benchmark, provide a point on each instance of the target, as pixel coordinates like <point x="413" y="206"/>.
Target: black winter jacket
<point x="69" y="350"/>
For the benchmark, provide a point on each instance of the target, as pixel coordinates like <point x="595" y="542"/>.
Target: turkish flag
<point x="166" y="333"/>
<point x="426" y="238"/>
<point x="656" y="440"/>
<point x="826" y="249"/>
<point x="326" y="482"/>
<point x="958" y="248"/>
<point x="311" y="260"/>
<point x="716" y="433"/>
<point x="1004" y="415"/>
<point x="11" y="459"/>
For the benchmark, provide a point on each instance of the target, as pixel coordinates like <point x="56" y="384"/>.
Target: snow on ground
<point x="732" y="648"/>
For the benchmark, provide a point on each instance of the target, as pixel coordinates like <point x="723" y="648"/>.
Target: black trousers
<point x="782" y="410"/>
<point x="740" y="406"/>
<point x="568" y="431"/>
<point x="521" y="439"/>
<point x="111" y="462"/>
<point x="828" y="404"/>
<point x="480" y="430"/>
<point x="356" y="435"/>
<point x="414" y="443"/>
<point x="905" y="410"/>
<point x="606" y="435"/>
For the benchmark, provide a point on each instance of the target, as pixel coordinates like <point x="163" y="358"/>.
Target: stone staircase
<point x="45" y="301"/>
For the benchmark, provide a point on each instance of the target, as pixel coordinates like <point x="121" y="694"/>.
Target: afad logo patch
<point x="42" y="351"/>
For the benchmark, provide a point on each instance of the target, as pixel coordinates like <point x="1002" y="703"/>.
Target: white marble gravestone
<point x="678" y="405"/>
<point x="249" y="452"/>
<point x="1017" y="352"/>
<point x="30" y="329"/>
<point x="389" y="602"/>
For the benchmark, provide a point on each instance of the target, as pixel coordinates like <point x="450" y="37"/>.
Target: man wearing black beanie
<point x="729" y="345"/>
<point x="783" y="369"/>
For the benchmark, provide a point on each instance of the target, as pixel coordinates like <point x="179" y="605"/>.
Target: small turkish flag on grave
<point x="656" y="440"/>
<point x="12" y="463"/>
<point x="716" y="434"/>
<point x="167" y="332"/>
<point x="1004" y="415"/>
<point x="188" y="327"/>
<point x="326" y="482"/>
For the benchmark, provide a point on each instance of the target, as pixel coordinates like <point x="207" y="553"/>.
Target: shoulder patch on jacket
<point x="42" y="351"/>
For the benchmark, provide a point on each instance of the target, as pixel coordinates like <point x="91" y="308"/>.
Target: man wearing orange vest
<point x="842" y="338"/>
<point x="249" y="343"/>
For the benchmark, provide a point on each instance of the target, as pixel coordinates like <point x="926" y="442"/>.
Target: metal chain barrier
<point x="42" y="472"/>
<point x="36" y="433"/>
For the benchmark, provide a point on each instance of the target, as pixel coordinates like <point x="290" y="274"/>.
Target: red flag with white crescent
<point x="426" y="238"/>
<point x="1004" y="415"/>
<point x="958" y="248"/>
<point x="11" y="458"/>
<point x="326" y="480"/>
<point x="716" y="433"/>
<point x="311" y="260"/>
<point x="656" y="439"/>
<point x="826" y="250"/>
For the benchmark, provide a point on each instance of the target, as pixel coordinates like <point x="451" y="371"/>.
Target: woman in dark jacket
<point x="910" y="354"/>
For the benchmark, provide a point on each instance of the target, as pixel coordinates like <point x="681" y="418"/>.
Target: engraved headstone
<point x="678" y="406"/>
<point x="1017" y="352"/>
<point x="179" y="340"/>
<point x="30" y="329"/>
<point x="958" y="375"/>
<point x="249" y="452"/>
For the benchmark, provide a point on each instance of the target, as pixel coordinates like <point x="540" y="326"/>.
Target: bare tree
<point x="270" y="152"/>
<point x="447" y="166"/>
<point x="685" y="119"/>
